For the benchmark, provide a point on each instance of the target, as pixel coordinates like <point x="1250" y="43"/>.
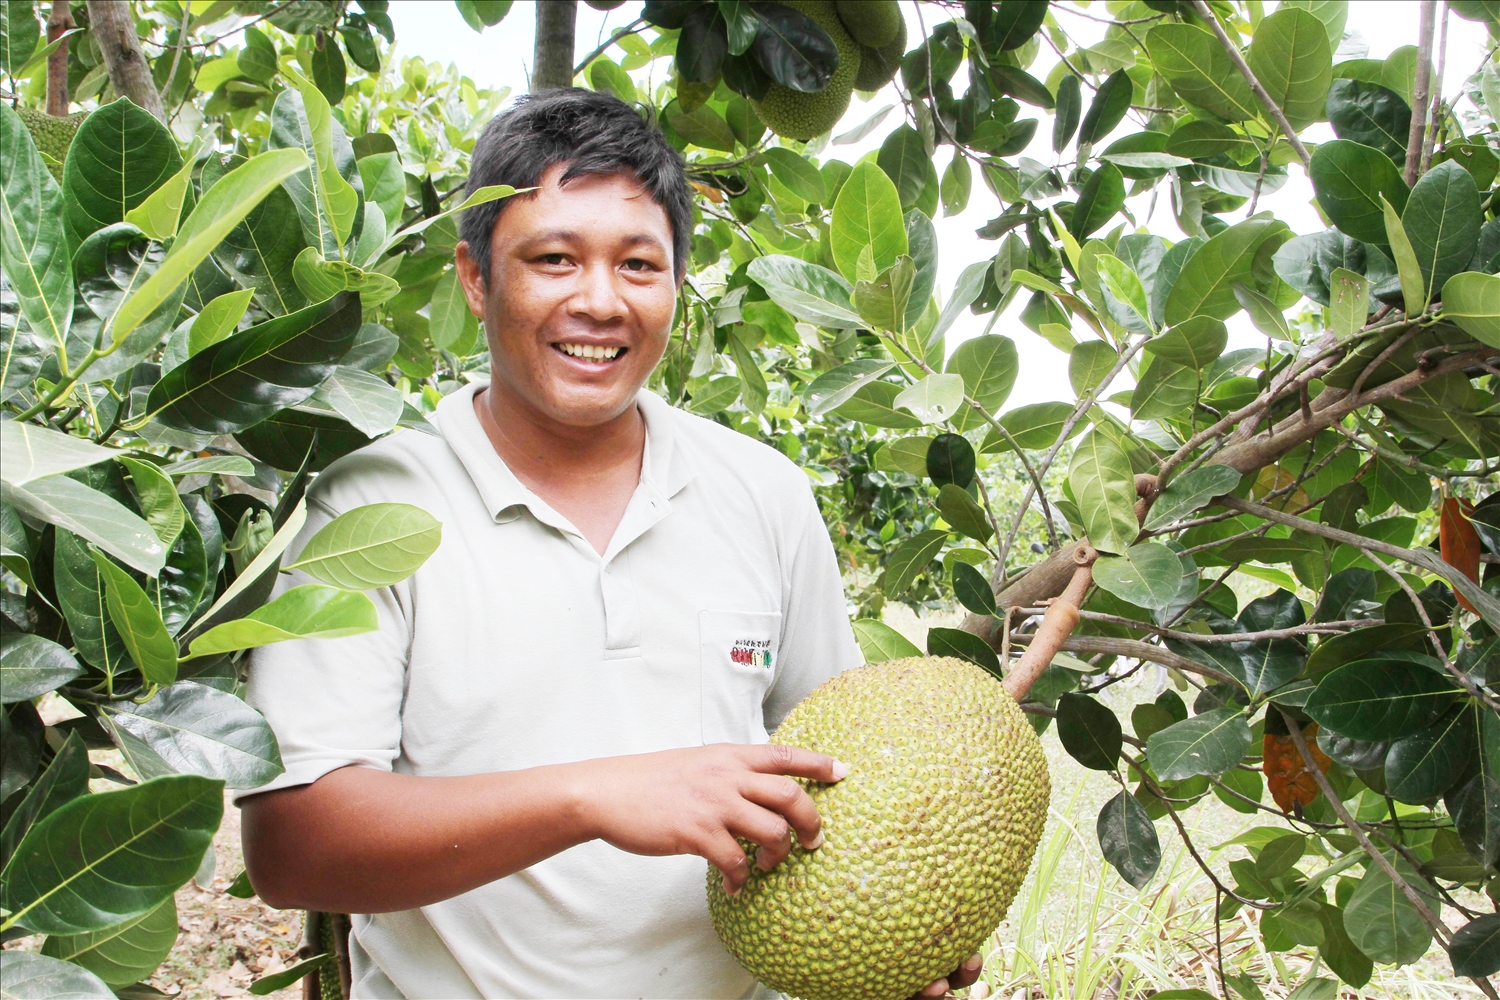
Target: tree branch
<point x="634" y="27"/>
<point x="552" y="60"/>
<point x="59" y="21"/>
<point x="1138" y="650"/>
<point x="1421" y="90"/>
<point x="113" y="29"/>
<point x="1255" y="85"/>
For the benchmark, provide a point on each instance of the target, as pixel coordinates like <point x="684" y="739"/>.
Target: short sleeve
<point x="817" y="641"/>
<point x="333" y="702"/>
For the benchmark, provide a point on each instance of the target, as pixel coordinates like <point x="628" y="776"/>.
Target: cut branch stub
<point x="1057" y="624"/>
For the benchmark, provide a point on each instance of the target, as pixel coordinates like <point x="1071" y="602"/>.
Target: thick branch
<point x="1420" y="91"/>
<point x="58" y="22"/>
<point x="1255" y="86"/>
<point x="114" y="29"/>
<point x="1138" y="650"/>
<point x="552" y="63"/>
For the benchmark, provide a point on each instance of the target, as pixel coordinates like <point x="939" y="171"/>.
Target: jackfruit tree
<point x="1287" y="591"/>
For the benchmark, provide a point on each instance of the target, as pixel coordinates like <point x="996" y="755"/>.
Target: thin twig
<point x="1259" y="91"/>
<point x="634" y="27"/>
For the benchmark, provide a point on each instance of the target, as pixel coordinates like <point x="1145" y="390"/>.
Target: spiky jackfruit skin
<point x="795" y="115"/>
<point x="878" y="66"/>
<point x="52" y="135"/>
<point x="925" y="841"/>
<point x="870" y="22"/>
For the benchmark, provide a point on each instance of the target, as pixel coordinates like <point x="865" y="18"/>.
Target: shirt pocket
<point x="738" y="657"/>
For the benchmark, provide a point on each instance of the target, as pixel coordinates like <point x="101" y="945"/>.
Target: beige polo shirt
<point x="717" y="607"/>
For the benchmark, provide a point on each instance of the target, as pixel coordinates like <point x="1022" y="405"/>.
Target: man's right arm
<point x="361" y="840"/>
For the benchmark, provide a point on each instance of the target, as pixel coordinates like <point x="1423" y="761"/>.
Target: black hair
<point x="592" y="132"/>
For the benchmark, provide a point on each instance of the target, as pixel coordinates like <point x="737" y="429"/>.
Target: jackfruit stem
<point x="1057" y="624"/>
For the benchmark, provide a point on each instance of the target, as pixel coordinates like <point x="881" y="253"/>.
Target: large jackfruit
<point x="871" y="22"/>
<point x="878" y="66"/>
<point x="925" y="841"/>
<point x="795" y="115"/>
<point x="52" y="135"/>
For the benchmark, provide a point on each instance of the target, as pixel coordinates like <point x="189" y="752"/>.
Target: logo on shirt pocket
<point x="752" y="652"/>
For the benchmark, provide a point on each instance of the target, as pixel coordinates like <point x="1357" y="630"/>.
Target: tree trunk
<point x="114" y="29"/>
<point x="552" y="64"/>
<point x="59" y="21"/>
<point x="1420" y="91"/>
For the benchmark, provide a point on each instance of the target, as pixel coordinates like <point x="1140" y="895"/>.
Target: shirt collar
<point x="665" y="468"/>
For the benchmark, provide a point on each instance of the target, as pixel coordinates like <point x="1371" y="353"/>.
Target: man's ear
<point x="474" y="280"/>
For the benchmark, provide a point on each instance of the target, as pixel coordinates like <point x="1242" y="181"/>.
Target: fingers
<point x="784" y="796"/>
<point x="769" y="831"/>
<point x="936" y="988"/>
<point x="774" y="758"/>
<point x="723" y="852"/>
<point x="966" y="974"/>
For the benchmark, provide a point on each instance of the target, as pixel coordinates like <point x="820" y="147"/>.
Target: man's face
<point x="580" y="299"/>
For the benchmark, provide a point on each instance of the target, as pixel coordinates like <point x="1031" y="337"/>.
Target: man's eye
<point x="637" y="264"/>
<point x="552" y="258"/>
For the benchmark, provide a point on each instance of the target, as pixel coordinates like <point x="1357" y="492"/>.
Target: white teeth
<point x="594" y="352"/>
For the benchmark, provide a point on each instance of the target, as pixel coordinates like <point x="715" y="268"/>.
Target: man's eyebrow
<point x="572" y="236"/>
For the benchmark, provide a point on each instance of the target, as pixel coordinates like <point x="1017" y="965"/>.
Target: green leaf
<point x="1475" y="947"/>
<point x="879" y="642"/>
<point x="882" y="302"/>
<point x="1099" y="201"/>
<point x="1280" y="856"/>
<point x="1349" y="302"/>
<point x="321" y="279"/>
<point x="1147" y="574"/>
<point x="1125" y="285"/>
<point x="1424" y="765"/>
<point x="1293" y="61"/>
<point x="266" y="985"/>
<point x="1089" y="731"/>
<point x="1107" y="109"/>
<point x="311" y="611"/>
<point x="1210" y="743"/>
<point x="867" y="213"/>
<point x="1263" y="312"/>
<point x="19" y="34"/>
<point x="1033" y="427"/>
<point x="260" y="251"/>
<point x="31" y="665"/>
<point x="903" y="157"/>
<point x="1069" y="107"/>
<point x="384" y="183"/>
<point x="483" y="196"/>
<point x="1441" y="220"/>
<point x="988" y="365"/>
<point x="1104" y="488"/>
<point x="972" y="589"/>
<point x="807" y="291"/>
<point x="909" y="560"/>
<point x="702" y="126"/>
<point x="1338" y="952"/>
<point x="1088" y="363"/>
<point x="366" y="402"/>
<point x="65" y="779"/>
<point x="1472" y="300"/>
<point x="201" y="730"/>
<point x="1369" y="114"/>
<point x="1380" y="699"/>
<point x="950" y="459"/>
<point x="27" y="974"/>
<point x="219" y="318"/>
<point x="1200" y="71"/>
<point x="158" y="216"/>
<point x="326" y="200"/>
<point x="934" y="399"/>
<point x="1350" y="180"/>
<point x="719" y="394"/>
<point x="242" y="380"/>
<point x="1382" y="922"/>
<point x="962" y="645"/>
<point x="122" y="954"/>
<point x="908" y="455"/>
<point x="158" y="498"/>
<point x="1016" y="82"/>
<point x="33" y="244"/>
<point x="104" y="858"/>
<point x="1194" y="343"/>
<point x="94" y="516"/>
<point x="753" y="390"/>
<point x="1127" y="837"/>
<point x="33" y="452"/>
<point x="875" y="404"/>
<point x="1413" y="285"/>
<point x="222" y="208"/>
<point x="120" y="155"/>
<point x="964" y="513"/>
<point x="1164" y="391"/>
<point x="140" y="626"/>
<point x="1205" y="285"/>
<point x="956" y="185"/>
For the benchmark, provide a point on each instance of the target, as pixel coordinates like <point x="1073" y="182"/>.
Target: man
<point x="515" y="782"/>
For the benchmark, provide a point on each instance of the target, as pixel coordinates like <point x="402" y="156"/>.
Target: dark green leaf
<point x="1198" y="139"/>
<point x="793" y="49"/>
<point x="106" y="857"/>
<point x="120" y="155"/>
<point x="1033" y="427"/>
<point x="259" y="251"/>
<point x="799" y="175"/>
<point x="1195" y="343"/>
<point x="1205" y="284"/>
<point x="964" y="513"/>
<point x="950" y="459"/>
<point x="66" y="778"/>
<point x="289" y="976"/>
<point x="1107" y="109"/>
<point x="1280" y="856"/>
<point x="1475" y="948"/>
<point x="922" y="245"/>
<point x="1200" y="71"/>
<point x="1017" y="83"/>
<point x="903" y="157"/>
<point x="27" y="974"/>
<point x="1128" y="839"/>
<point x="1089" y="362"/>
<point x="19" y="33"/>
<point x="1424" y="765"/>
<point x="909" y="560"/>
<point x="702" y="45"/>
<point x="140" y="626"/>
<point x="1342" y="590"/>
<point x="80" y="596"/>
<point x="1015" y="22"/>
<point x="1293" y="61"/>
<point x="1380" y="699"/>
<point x="1210" y="743"/>
<point x="110" y="265"/>
<point x="972" y="589"/>
<point x="33" y="255"/>
<point x="1101" y="198"/>
<point x="1349" y="179"/>
<point x="326" y="193"/>
<point x="1148" y="575"/>
<point x="329" y="70"/>
<point x="1442" y="219"/>
<point x="246" y="378"/>
<point x="124" y="953"/>
<point x="1069" y="107"/>
<point x="1089" y="731"/>
<point x="200" y="730"/>
<point x="964" y="645"/>
<point x="1339" y="953"/>
<point x="30" y="666"/>
<point x="1369" y="114"/>
<point x="1188" y="492"/>
<point x="1382" y="922"/>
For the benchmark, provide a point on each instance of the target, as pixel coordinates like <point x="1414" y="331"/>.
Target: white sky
<point x="501" y="56"/>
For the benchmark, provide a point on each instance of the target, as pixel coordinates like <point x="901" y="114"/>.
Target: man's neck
<point x="588" y="474"/>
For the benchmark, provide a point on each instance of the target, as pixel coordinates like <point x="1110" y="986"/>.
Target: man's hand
<point x="965" y="975"/>
<point x="699" y="799"/>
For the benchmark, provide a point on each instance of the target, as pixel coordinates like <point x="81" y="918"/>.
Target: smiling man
<point x="517" y="782"/>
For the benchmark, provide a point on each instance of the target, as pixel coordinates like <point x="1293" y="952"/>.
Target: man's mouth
<point x="598" y="353"/>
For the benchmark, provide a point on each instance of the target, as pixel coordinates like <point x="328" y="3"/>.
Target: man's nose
<point x="597" y="296"/>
